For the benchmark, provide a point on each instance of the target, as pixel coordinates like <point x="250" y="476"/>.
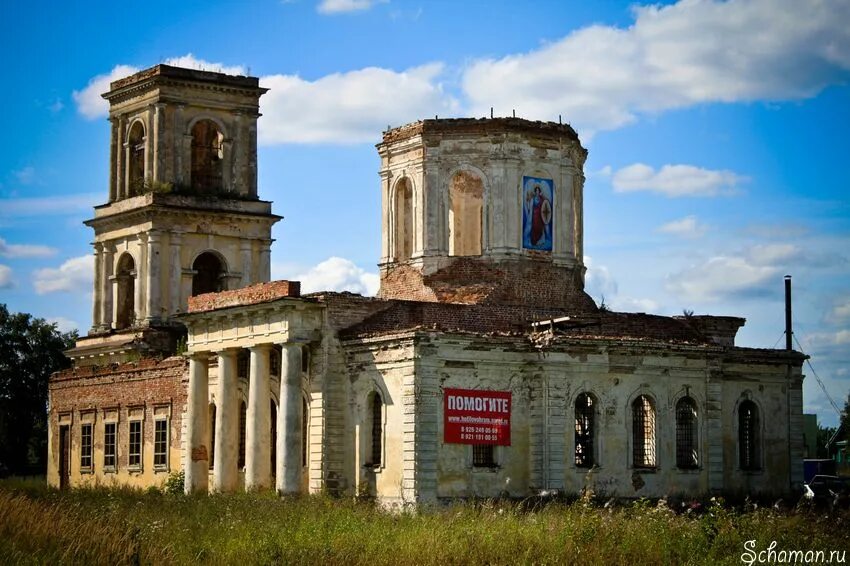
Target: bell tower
<point x="183" y="216"/>
<point x="483" y="211"/>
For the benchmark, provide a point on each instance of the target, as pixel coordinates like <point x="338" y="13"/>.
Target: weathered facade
<point x="482" y="293"/>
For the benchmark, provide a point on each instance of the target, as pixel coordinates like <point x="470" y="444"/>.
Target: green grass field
<point x="41" y="526"/>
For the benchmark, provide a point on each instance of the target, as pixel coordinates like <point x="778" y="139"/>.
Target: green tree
<point x="30" y="350"/>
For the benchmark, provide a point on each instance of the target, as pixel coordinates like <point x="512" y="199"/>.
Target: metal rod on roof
<point x="789" y="333"/>
<point x="514" y="111"/>
<point x="491" y="112"/>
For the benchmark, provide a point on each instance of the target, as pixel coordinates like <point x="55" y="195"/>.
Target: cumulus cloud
<point x="91" y="104"/>
<point x="50" y="205"/>
<point x="629" y="304"/>
<point x="345" y="6"/>
<point x="24" y="250"/>
<point x="840" y="312"/>
<point x="687" y="227"/>
<point x="675" y="180"/>
<point x="6" y="281"/>
<point x="598" y="281"/>
<point x="350" y="107"/>
<point x="692" y="52"/>
<point x="76" y="274"/>
<point x="63" y="324"/>
<point x="754" y="272"/>
<point x="333" y="274"/>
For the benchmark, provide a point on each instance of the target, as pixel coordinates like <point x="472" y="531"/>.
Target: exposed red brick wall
<point x="476" y="281"/>
<point x="251" y="295"/>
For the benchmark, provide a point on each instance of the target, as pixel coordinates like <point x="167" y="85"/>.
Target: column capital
<point x="261" y="347"/>
<point x="199" y="356"/>
<point x="227" y="352"/>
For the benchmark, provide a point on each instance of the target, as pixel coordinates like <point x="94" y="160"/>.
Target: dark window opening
<point x="136" y="165"/>
<point x="242" y="364"/>
<point x="212" y="435"/>
<point x="376" y="417"/>
<point x="687" y="434"/>
<point x="584" y="431"/>
<point x="207" y="156"/>
<point x="274" y="362"/>
<point x="403" y="221"/>
<point x="109" y="445"/>
<point x="483" y="456"/>
<point x="643" y="433"/>
<point x="209" y="274"/>
<point x="126" y="277"/>
<point x="160" y="444"/>
<point x="273" y="437"/>
<point x="135" y="451"/>
<point x="85" y="446"/>
<point x="243" y="422"/>
<point x="748" y="436"/>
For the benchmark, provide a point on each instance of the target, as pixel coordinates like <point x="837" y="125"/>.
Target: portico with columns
<point x="280" y="331"/>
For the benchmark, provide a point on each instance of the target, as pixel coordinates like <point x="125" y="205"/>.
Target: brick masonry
<point x="251" y="295"/>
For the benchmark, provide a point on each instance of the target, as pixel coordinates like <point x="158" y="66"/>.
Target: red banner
<point x="471" y="416"/>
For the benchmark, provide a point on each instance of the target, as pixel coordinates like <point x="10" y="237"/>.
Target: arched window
<point x="466" y="200"/>
<point x="403" y="221"/>
<point x="207" y="156"/>
<point x="687" y="434"/>
<point x="748" y="431"/>
<point x="125" y="274"/>
<point x="376" y="417"/>
<point x="643" y="433"/>
<point x="585" y="430"/>
<point x="212" y="435"/>
<point x="209" y="272"/>
<point x="136" y="162"/>
<point x="243" y="425"/>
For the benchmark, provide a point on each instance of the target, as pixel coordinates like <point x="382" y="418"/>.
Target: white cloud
<point x="840" y="311"/>
<point x="675" y="180"/>
<point x="6" y="281"/>
<point x="26" y="175"/>
<point x="720" y="277"/>
<point x="345" y="6"/>
<point x="63" y="324"/>
<point x="333" y="274"/>
<point x="24" y="250"/>
<point x="89" y="101"/>
<point x="52" y="205"/>
<point x="91" y="104"/>
<point x="76" y="274"/>
<point x="693" y="52"/>
<point x="598" y="282"/>
<point x="350" y="107"/>
<point x="687" y="227"/>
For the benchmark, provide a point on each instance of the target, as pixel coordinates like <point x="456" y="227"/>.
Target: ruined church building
<point x="481" y="368"/>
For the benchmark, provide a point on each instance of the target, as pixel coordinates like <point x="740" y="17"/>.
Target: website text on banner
<point x="477" y="417"/>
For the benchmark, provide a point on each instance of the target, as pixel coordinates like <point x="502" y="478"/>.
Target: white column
<point x="265" y="272"/>
<point x="106" y="317"/>
<point x="153" y="302"/>
<point x="257" y="433"/>
<point x="289" y="421"/>
<point x="225" y="472"/>
<point x="96" y="321"/>
<point x="197" y="409"/>
<point x="176" y="273"/>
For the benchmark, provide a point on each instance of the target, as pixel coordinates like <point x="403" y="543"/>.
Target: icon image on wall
<point x="537" y="213"/>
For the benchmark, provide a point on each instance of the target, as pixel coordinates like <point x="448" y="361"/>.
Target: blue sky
<point x="716" y="131"/>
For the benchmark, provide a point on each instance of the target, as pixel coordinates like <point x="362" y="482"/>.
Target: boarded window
<point x="687" y="434"/>
<point x="212" y="435"/>
<point x="376" y="416"/>
<point x="584" y="431"/>
<point x="466" y="201"/>
<point x="207" y="156"/>
<point x="483" y="456"/>
<point x="748" y="426"/>
<point x="109" y="445"/>
<point x="136" y="163"/>
<point x="209" y="274"/>
<point x="86" y="446"/>
<point x="135" y="451"/>
<point x="643" y="433"/>
<point x="160" y="444"/>
<point x="403" y="221"/>
<point x="125" y="275"/>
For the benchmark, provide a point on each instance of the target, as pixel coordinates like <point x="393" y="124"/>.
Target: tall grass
<point x="40" y="526"/>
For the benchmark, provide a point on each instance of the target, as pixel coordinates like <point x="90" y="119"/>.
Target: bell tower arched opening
<point x="136" y="159"/>
<point x="125" y="274"/>
<point x="403" y="215"/>
<point x="209" y="274"/>
<point x="207" y="156"/>
<point x="466" y="203"/>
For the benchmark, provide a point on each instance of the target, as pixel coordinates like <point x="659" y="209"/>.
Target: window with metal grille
<point x="305" y="432"/>
<point x="687" y="434"/>
<point x="242" y="361"/>
<point x="212" y="435"/>
<point x="377" y="416"/>
<point x="85" y="446"/>
<point x="243" y="423"/>
<point x="748" y="436"/>
<point x="109" y="446"/>
<point x="483" y="456"/>
<point x="643" y="433"/>
<point x="274" y="362"/>
<point x="160" y="444"/>
<point x="135" y="452"/>
<point x="584" y="431"/>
